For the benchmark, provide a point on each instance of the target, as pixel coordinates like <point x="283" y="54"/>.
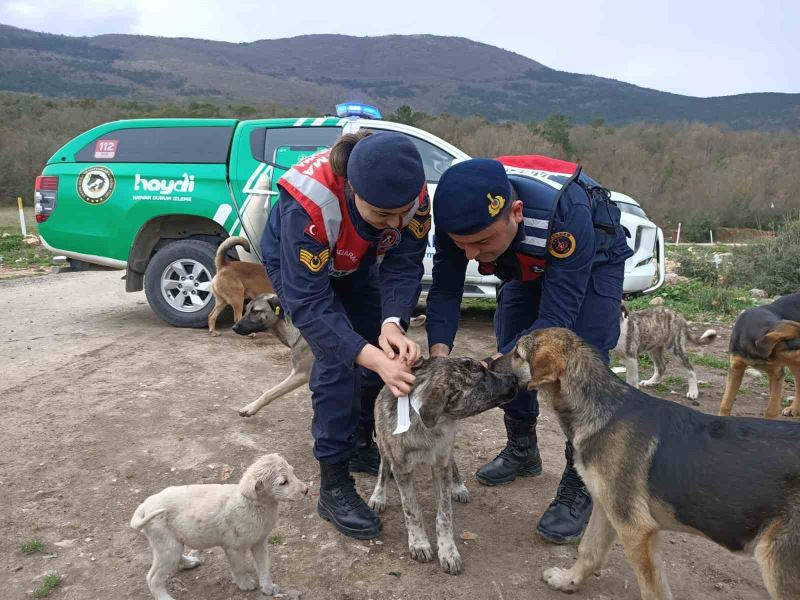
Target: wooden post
<point x="678" y="236"/>
<point x="711" y="234"/>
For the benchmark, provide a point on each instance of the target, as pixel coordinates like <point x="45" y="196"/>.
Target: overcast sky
<point x="695" y="47"/>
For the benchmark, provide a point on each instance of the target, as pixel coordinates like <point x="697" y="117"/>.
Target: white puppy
<point x="238" y="517"/>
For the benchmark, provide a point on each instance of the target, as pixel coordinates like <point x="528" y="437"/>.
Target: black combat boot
<point x="567" y="516"/>
<point x="520" y="457"/>
<point x="340" y="503"/>
<point x="367" y="459"/>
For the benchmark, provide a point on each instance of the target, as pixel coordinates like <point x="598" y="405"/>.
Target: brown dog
<point x="652" y="465"/>
<point x="234" y="282"/>
<point x="768" y="339"/>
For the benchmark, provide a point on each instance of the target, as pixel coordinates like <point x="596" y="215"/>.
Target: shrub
<point x="771" y="264"/>
<point x="697" y="226"/>
<point x="699" y="266"/>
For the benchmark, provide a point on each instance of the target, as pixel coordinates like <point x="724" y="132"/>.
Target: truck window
<point x="192" y="145"/>
<point x="434" y="159"/>
<point x="289" y="145"/>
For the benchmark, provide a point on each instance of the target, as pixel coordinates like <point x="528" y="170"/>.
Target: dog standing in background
<point x="265" y="313"/>
<point x="235" y="282"/>
<point x="768" y="339"/>
<point x="655" y="330"/>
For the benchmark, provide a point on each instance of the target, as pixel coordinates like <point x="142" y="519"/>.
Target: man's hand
<point x="395" y="344"/>
<point x="439" y="350"/>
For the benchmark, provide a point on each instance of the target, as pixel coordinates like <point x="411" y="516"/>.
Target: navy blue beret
<point x="470" y="196"/>
<point x="385" y="170"/>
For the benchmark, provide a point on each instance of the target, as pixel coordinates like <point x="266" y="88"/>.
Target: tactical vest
<point x="321" y="192"/>
<point x="539" y="181"/>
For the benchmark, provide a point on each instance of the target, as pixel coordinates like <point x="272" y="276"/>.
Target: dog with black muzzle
<point x="446" y="389"/>
<point x="265" y="313"/>
<point x="654" y="465"/>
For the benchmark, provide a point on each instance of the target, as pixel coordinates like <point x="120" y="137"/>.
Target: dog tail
<point x="784" y="331"/>
<point x="418" y="321"/>
<point x="708" y="337"/>
<point x="220" y="260"/>
<point x="139" y="519"/>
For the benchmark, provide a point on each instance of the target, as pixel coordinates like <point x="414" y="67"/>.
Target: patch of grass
<point x="764" y="380"/>
<point x="478" y="305"/>
<point x="31" y="547"/>
<point x="697" y="301"/>
<point x="275" y="539"/>
<point x="17" y="255"/>
<point x="661" y="388"/>
<point x="708" y="360"/>
<point x="51" y="582"/>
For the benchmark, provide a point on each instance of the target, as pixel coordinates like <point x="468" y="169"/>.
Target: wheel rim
<point x="186" y="285"/>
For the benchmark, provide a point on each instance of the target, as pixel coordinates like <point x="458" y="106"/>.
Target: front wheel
<point x="177" y="283"/>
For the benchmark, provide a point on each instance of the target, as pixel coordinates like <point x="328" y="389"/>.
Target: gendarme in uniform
<point x="553" y="237"/>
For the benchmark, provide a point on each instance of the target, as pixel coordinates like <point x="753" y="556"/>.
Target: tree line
<point x="700" y="175"/>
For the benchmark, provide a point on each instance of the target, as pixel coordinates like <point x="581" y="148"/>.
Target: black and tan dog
<point x="654" y="465"/>
<point x="235" y="282"/>
<point x="768" y="339"/>
<point x="447" y="389"/>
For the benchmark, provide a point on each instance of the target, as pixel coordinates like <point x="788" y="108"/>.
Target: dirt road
<point x="103" y="405"/>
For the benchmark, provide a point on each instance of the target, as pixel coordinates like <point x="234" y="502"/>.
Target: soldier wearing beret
<point x="343" y="249"/>
<point x="552" y="236"/>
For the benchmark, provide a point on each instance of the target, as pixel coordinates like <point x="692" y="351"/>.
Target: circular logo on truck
<point x="95" y="185"/>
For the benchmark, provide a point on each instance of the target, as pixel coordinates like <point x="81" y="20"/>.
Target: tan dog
<point x="234" y="282"/>
<point x="238" y="517"/>
<point x="768" y="339"/>
<point x="652" y="465"/>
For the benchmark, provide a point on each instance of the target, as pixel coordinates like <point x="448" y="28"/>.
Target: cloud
<point x="77" y="17"/>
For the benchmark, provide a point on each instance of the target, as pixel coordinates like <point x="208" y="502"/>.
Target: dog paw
<point x="270" y="590"/>
<point x="692" y="394"/>
<point x="791" y="411"/>
<point x="421" y="551"/>
<point x="451" y="562"/>
<point x="559" y="579"/>
<point x="460" y="493"/>
<point x="215" y="333"/>
<point x="245" y="583"/>
<point x="647" y="383"/>
<point x="246" y="411"/>
<point x="190" y="561"/>
<point x="377" y="503"/>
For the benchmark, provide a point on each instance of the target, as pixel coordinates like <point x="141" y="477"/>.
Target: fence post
<point x="678" y="236"/>
<point x="711" y="234"/>
<point x="21" y="217"/>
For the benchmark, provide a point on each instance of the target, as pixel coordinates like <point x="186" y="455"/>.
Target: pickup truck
<point x="155" y="197"/>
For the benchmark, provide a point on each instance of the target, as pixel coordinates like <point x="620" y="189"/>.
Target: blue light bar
<point x="356" y="109"/>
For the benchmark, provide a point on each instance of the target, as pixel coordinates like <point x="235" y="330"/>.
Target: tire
<point x="177" y="283"/>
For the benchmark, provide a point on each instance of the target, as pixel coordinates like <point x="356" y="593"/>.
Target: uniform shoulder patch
<point x="562" y="244"/>
<point x="419" y="226"/>
<point x="313" y="232"/>
<point x="314" y="262"/>
<point x="424" y="207"/>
